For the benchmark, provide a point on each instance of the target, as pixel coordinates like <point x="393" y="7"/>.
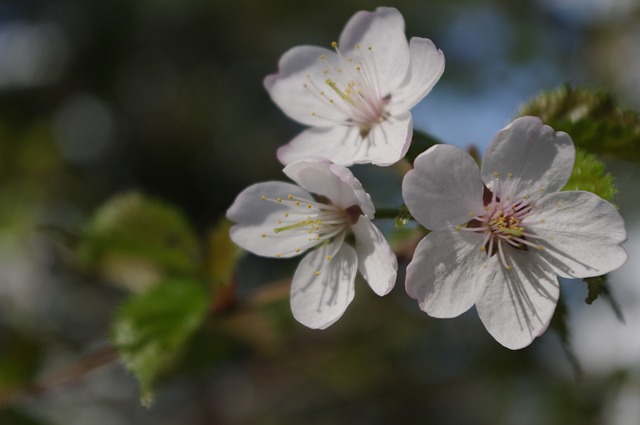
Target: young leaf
<point x="136" y="241"/>
<point x="589" y="174"/>
<point x="592" y="118"/>
<point x="152" y="329"/>
<point x="597" y="286"/>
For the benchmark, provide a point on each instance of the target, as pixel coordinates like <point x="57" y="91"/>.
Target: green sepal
<point x="152" y="329"/>
<point x="133" y="235"/>
<point x="597" y="286"/>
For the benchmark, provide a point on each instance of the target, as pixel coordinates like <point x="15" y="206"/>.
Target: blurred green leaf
<point x="20" y="359"/>
<point x="403" y="217"/>
<point x="559" y="323"/>
<point x="136" y="240"/>
<point x="593" y="119"/>
<point x="152" y="329"/>
<point x="222" y="254"/>
<point x="420" y="143"/>
<point x="15" y="416"/>
<point x="589" y="174"/>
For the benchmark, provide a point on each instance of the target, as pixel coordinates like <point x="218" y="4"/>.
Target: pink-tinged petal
<point x="388" y="141"/>
<point x="321" y="288"/>
<point x="381" y="40"/>
<point x="528" y="159"/>
<point x="427" y="66"/>
<point x="257" y="220"/>
<point x="300" y="90"/>
<point x="444" y="188"/>
<point x="580" y="233"/>
<point x="516" y="305"/>
<point x="376" y="260"/>
<point x="333" y="181"/>
<point x="442" y="275"/>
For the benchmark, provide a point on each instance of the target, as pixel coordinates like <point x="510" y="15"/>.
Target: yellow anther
<point x="496" y="174"/>
<point x="305" y="85"/>
<point x="370" y="47"/>
<point x="297" y="250"/>
<point x="263" y="235"/>
<point x="357" y="46"/>
<point x="483" y="248"/>
<point x="322" y="57"/>
<point x="334" y="44"/>
<point x="286" y="215"/>
<point x="471" y="214"/>
<point x="289" y="196"/>
<point x="328" y="258"/>
<point x="278" y="255"/>
<point x="264" y="198"/>
<point x="457" y="227"/>
<point x="317" y="273"/>
<point x="278" y="199"/>
<point x="508" y="267"/>
<point x="297" y="202"/>
<point x="509" y="175"/>
<point x="308" y="205"/>
<point x="539" y="247"/>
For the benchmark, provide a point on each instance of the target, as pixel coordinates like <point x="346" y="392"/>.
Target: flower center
<point x="318" y="220"/>
<point x="502" y="224"/>
<point x="352" y="87"/>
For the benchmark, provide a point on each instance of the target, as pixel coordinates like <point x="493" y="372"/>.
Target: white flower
<point x="502" y="235"/>
<point x="356" y="97"/>
<point x="276" y="219"/>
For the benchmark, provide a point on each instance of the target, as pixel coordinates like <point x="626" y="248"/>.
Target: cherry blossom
<point x="327" y="215"/>
<point x="356" y="98"/>
<point x="503" y="234"/>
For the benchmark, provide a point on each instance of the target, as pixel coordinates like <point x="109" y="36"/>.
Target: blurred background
<point x="165" y="97"/>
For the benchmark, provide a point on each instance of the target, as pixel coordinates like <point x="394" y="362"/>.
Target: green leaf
<point x="593" y="119"/>
<point x="151" y="329"/>
<point x="136" y="241"/>
<point x="589" y="174"/>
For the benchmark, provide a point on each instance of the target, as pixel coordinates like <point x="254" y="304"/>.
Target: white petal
<point x="527" y="158"/>
<point x="333" y="181"/>
<point x="339" y="144"/>
<point x="383" y="31"/>
<point x="297" y="86"/>
<point x="317" y="301"/>
<point x="516" y="305"/>
<point x="444" y="188"/>
<point x="581" y="233"/>
<point x="376" y="260"/>
<point x="427" y="66"/>
<point x="385" y="144"/>
<point x="442" y="275"/>
<point x="256" y="217"/>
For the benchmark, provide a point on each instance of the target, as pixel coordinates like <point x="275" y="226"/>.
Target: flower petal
<point x="333" y="181"/>
<point x="527" y="158"/>
<point x="257" y="220"/>
<point x="427" y="66"/>
<point x="443" y="273"/>
<point x="444" y="188"/>
<point x="298" y="87"/>
<point x="318" y="300"/>
<point x="580" y="233"/>
<point x="376" y="260"/>
<point x="385" y="144"/>
<point x="516" y="305"/>
<point x="383" y="32"/>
